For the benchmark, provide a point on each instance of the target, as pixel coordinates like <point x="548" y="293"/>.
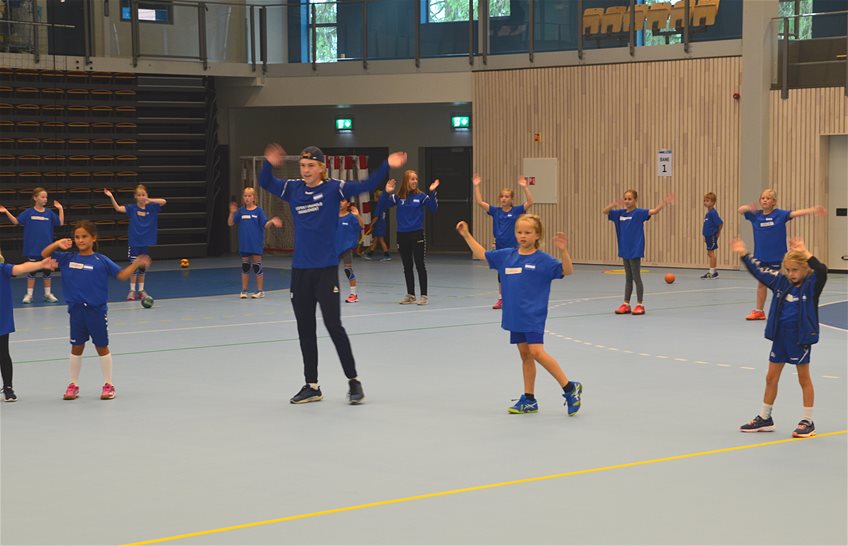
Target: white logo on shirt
<point x="39" y="218"/>
<point x="318" y="197"/>
<point x="766" y="224"/>
<point x="416" y="201"/>
<point x="509" y="215"/>
<point x="247" y="216"/>
<point x="141" y="212"/>
<point x="623" y="218"/>
<point x="77" y="265"/>
<point x="513" y="270"/>
<point x="529" y="266"/>
<point x="791" y="299"/>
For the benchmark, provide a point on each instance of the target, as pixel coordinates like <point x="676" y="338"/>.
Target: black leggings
<point x="321" y="286"/>
<point x="5" y="361"/>
<point x="413" y="246"/>
<point x="632" y="272"/>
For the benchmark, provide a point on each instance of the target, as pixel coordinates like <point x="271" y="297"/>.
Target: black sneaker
<point x="805" y="429"/>
<point x="758" y="425"/>
<point x="9" y="395"/>
<point x="307" y="394"/>
<point x="707" y="275"/>
<point x="355" y="394"/>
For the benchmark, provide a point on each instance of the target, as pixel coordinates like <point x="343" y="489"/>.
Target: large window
<point x="800" y="28"/>
<point x="446" y="11"/>
<point x="326" y="31"/>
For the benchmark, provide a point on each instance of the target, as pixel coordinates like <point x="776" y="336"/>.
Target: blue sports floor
<point x="202" y="447"/>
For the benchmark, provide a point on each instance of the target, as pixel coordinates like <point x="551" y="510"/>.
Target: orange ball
<point x="669" y="278"/>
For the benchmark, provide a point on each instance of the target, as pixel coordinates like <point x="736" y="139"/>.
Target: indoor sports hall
<point x="576" y="107"/>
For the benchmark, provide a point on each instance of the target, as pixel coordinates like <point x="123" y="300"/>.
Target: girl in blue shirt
<point x="347" y="239"/>
<point x="144" y="223"/>
<point x="7" y="319"/>
<point x="503" y="217"/>
<point x="38" y="223"/>
<point x="85" y="283"/>
<point x="527" y="273"/>
<point x="412" y="243"/>
<point x="252" y="224"/>
<point x="378" y="230"/>
<point x="630" y="232"/>
<point x="769" y="224"/>
<point x="793" y="327"/>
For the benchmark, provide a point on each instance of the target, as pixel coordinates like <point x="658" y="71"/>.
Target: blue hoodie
<point x="410" y="213"/>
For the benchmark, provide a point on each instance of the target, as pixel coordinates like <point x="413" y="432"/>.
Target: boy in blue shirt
<point x="527" y="273"/>
<point x="314" y="200"/>
<point x="85" y="283"/>
<point x="347" y="238"/>
<point x="713" y="225"/>
<point x="252" y="224"/>
<point x="378" y="229"/>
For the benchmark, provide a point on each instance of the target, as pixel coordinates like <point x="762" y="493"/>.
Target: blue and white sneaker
<point x="523" y="405"/>
<point x="572" y="399"/>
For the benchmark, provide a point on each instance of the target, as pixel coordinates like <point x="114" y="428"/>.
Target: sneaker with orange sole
<point x="639" y="310"/>
<point x="623" y="309"/>
<point x="756" y="314"/>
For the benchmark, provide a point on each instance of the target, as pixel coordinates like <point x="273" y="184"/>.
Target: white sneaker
<point x="27" y="298"/>
<point x="243" y="295"/>
<point x="423" y="300"/>
<point x="257" y="295"/>
<point x="407" y="299"/>
<point x="50" y="298"/>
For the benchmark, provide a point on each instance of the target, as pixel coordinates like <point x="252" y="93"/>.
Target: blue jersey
<point x="712" y="221"/>
<point x="410" y="213"/>
<point x="7" y="319"/>
<point x="85" y="279"/>
<point x="769" y="234"/>
<point x="347" y="236"/>
<point x="503" y="225"/>
<point x="791" y="302"/>
<point x="38" y="230"/>
<point x="630" y="231"/>
<point x="315" y="212"/>
<point x="525" y="287"/>
<point x="378" y="226"/>
<point x="251" y="230"/>
<point x="144" y="222"/>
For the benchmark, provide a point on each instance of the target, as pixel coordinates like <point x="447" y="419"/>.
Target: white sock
<point x="712" y="271"/>
<point x="106" y="368"/>
<point x="29" y="291"/>
<point x="76" y="367"/>
<point x="141" y="287"/>
<point x="313" y="386"/>
<point x="808" y="414"/>
<point x="47" y="291"/>
<point x="132" y="287"/>
<point x="765" y="412"/>
<point x="353" y="290"/>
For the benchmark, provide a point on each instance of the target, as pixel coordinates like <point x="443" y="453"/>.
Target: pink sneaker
<point x="131" y="296"/>
<point x="72" y="392"/>
<point x="108" y="392"/>
<point x="353" y="298"/>
<point x="498" y="304"/>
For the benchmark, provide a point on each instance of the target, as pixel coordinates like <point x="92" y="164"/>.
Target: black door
<point x="452" y="166"/>
<point x="69" y="38"/>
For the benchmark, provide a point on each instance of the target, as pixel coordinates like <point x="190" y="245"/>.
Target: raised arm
<point x="617" y="204"/>
<point x="395" y="161"/>
<point x="748" y="207"/>
<point x="477" y="250"/>
<point x="63" y="244"/>
<point x="61" y="210"/>
<point x="159" y="201"/>
<point x="233" y="210"/>
<point x="760" y="271"/>
<point x="274" y="221"/>
<point x="126" y="273"/>
<point x="355" y="212"/>
<point x="528" y="197"/>
<point x="120" y="208"/>
<point x="432" y="201"/>
<point x="818" y="211"/>
<point x="667" y="200"/>
<point x="274" y="155"/>
<point x="561" y="242"/>
<point x="797" y="244"/>
<point x="478" y="194"/>
<point x="9" y="215"/>
<point x="32" y="267"/>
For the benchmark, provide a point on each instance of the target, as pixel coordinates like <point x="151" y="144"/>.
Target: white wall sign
<point x="663" y="162"/>
<point x="542" y="175"/>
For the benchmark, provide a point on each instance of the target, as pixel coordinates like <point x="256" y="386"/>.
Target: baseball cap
<point x="312" y="152"/>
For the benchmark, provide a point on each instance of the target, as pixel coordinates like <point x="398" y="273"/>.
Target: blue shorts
<point x="379" y="229"/>
<point x="785" y="348"/>
<point x="711" y="241"/>
<point x="44" y="272"/>
<point x="88" y="321"/>
<point x="135" y="251"/>
<point x="532" y="338"/>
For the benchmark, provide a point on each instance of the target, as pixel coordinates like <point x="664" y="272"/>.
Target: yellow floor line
<point x="477" y="488"/>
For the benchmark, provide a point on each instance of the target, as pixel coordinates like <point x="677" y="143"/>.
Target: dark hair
<point x="87" y="225"/>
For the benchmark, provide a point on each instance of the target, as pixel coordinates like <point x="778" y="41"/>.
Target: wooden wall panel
<point x="798" y="152"/>
<point x="605" y="125"/>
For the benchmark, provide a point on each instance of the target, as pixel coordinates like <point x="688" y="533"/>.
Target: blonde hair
<point x="795" y="257"/>
<point x="249" y="190"/>
<point x="38" y="190"/>
<point x="771" y="191"/>
<point x="510" y="191"/>
<point x="404" y="190"/>
<point x="140" y="187"/>
<point x="711" y="196"/>
<point x="537" y="225"/>
<point x="635" y="194"/>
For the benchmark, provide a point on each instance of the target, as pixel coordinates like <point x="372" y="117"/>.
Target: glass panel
<point x="448" y="11"/>
<point x="225" y="34"/>
<point x="509" y="33"/>
<point x="180" y="39"/>
<point x="391" y="29"/>
<point x="557" y="23"/>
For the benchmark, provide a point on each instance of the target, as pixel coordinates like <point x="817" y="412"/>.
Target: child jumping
<point x="7" y="319"/>
<point x="38" y="222"/>
<point x="792" y="327"/>
<point x="144" y="224"/>
<point x="85" y="282"/>
<point x="527" y="273"/>
<point x="769" y="224"/>
<point x="252" y="224"/>
<point x="630" y="232"/>
<point x="347" y="237"/>
<point x="713" y="225"/>
<point x="503" y="218"/>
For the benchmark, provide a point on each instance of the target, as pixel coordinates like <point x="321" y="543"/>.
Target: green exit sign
<point x="460" y="122"/>
<point x="344" y="124"/>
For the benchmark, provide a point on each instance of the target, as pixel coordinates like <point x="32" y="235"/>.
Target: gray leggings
<point x="632" y="272"/>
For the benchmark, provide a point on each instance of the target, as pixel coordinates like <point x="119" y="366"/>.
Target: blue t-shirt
<point x="38" y="230"/>
<point x="85" y="279"/>
<point x="769" y="234"/>
<point x="347" y="236"/>
<point x="503" y="225"/>
<point x="7" y="319"/>
<point x="712" y="221"/>
<point x="525" y="287"/>
<point x="251" y="230"/>
<point x="378" y="226"/>
<point x="791" y="302"/>
<point x="629" y="229"/>
<point x="410" y="213"/>
<point x="315" y="212"/>
<point x="144" y="223"/>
